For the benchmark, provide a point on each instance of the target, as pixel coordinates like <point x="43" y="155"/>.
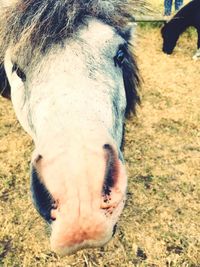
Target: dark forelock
<point x="41" y="23"/>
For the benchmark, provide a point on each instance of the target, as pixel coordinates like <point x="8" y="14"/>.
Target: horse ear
<point x="4" y="84"/>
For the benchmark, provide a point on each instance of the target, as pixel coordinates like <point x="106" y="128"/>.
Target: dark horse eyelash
<point x="14" y="67"/>
<point x="42" y="199"/>
<point x="124" y="48"/>
<point x="20" y="73"/>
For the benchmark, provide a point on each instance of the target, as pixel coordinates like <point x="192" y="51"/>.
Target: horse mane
<point x="39" y="24"/>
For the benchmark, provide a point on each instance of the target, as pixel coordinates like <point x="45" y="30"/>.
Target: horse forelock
<point x="37" y="24"/>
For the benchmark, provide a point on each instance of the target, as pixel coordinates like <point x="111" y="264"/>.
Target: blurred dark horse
<point x="187" y="16"/>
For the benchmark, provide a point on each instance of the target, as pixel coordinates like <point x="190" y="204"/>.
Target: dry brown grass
<point x="160" y="225"/>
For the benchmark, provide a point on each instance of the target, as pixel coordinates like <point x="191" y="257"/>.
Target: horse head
<point x="72" y="79"/>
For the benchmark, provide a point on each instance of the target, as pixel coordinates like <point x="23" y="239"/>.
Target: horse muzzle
<point x="80" y="192"/>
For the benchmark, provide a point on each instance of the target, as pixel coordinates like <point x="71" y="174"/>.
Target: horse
<point x="184" y="18"/>
<point x="69" y="70"/>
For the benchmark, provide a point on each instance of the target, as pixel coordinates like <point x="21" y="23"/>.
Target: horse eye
<point x="119" y="58"/>
<point x="19" y="72"/>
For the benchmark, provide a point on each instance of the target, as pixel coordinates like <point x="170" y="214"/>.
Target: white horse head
<point x="72" y="81"/>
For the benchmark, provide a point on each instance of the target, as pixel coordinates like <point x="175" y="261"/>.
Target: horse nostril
<point x="42" y="199"/>
<point x="38" y="158"/>
<point x="54" y="210"/>
<point x="111" y="169"/>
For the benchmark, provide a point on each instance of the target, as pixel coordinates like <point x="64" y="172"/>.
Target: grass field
<point x="160" y="226"/>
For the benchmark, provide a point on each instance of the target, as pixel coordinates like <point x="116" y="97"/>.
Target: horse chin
<point x="67" y="251"/>
<point x="65" y="241"/>
<point x="167" y="51"/>
<point x="168" y="48"/>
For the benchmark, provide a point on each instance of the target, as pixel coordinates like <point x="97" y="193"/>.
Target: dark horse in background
<point x="187" y="16"/>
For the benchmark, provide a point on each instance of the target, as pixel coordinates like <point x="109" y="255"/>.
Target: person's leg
<point x="178" y="4"/>
<point x="168" y="7"/>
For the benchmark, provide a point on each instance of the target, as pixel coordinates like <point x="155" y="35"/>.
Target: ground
<point x="160" y="226"/>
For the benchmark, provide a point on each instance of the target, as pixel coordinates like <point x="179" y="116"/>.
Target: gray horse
<point x="67" y="67"/>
